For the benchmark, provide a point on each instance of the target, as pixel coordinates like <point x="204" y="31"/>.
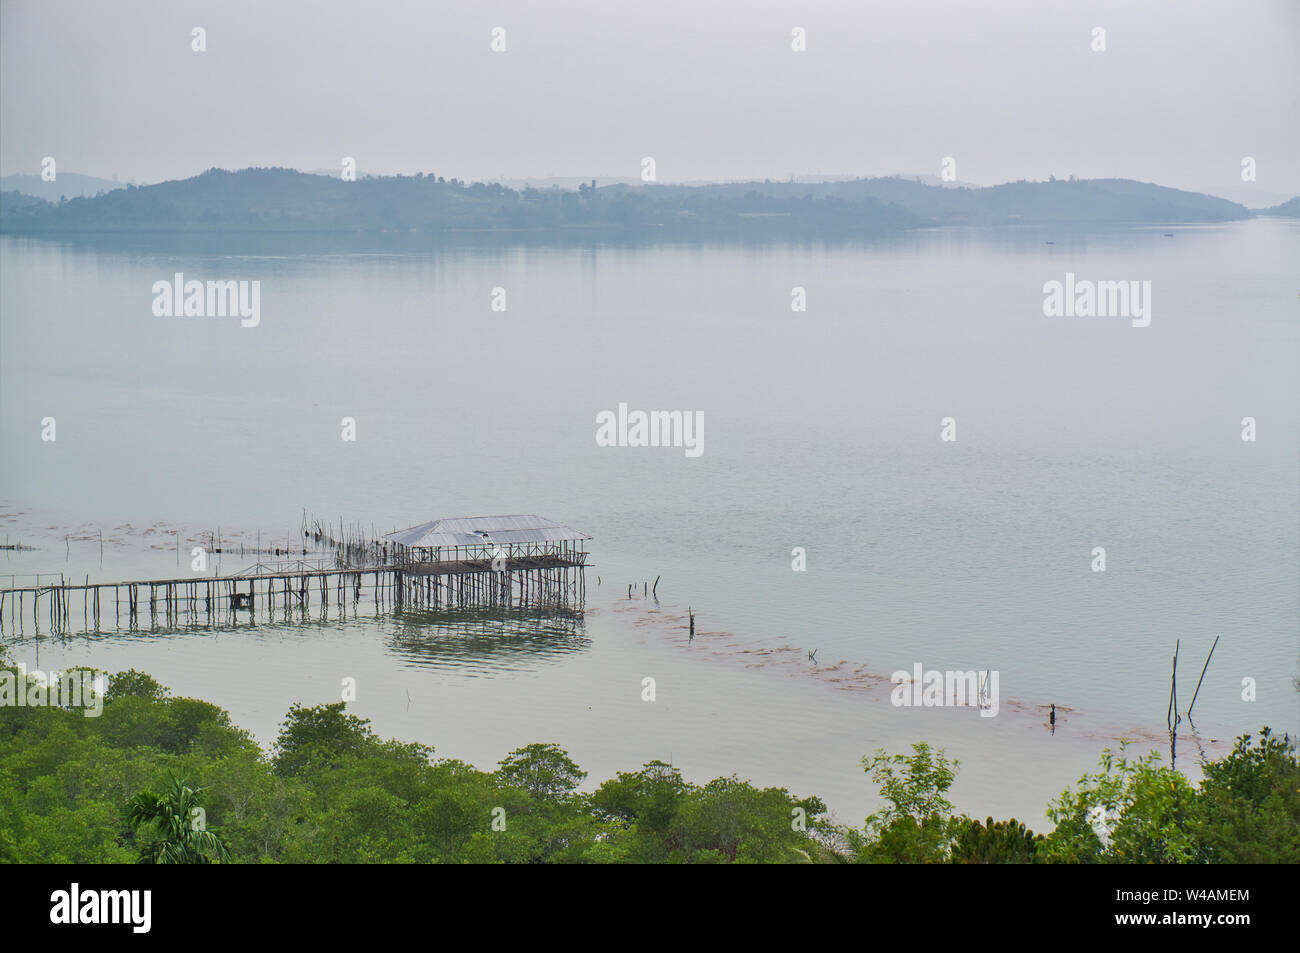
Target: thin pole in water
<point x="1202" y="678"/>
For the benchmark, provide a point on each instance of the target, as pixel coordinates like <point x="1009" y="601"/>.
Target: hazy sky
<point x="710" y="88"/>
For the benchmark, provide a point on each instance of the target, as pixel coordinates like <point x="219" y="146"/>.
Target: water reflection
<point x="185" y="616"/>
<point x="1033" y="238"/>
<point x="460" y="642"/>
<point x="485" y="640"/>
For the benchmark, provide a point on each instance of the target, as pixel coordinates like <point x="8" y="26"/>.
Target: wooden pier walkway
<point x="542" y="582"/>
<point x="532" y="564"/>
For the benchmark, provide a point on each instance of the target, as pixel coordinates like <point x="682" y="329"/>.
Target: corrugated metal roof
<point x="479" y="530"/>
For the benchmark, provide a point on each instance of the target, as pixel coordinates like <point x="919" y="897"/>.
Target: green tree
<point x="133" y="684"/>
<point x="1131" y="811"/>
<point x="1000" y="842"/>
<point x="1250" y="801"/>
<point x="171" y="824"/>
<point x="545" y="771"/>
<point x="650" y="795"/>
<point x="915" y="826"/>
<point x="729" y="820"/>
<point x="323" y="735"/>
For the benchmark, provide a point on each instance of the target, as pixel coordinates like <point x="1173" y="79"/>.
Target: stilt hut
<point x="526" y="562"/>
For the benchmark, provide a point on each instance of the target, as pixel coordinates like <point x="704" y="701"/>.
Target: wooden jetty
<point x="499" y="562"/>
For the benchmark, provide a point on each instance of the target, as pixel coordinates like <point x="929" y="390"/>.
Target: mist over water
<point x="822" y="431"/>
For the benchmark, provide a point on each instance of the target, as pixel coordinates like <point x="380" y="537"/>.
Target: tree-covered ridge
<point x="112" y="789"/>
<point x="278" y="199"/>
<point x="161" y="779"/>
<point x="13" y="201"/>
<point x="285" y="200"/>
<point x="1288" y="209"/>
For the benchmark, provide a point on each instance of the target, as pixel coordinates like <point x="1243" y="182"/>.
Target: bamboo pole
<point x="1202" y="678"/>
<point x="1171" y="716"/>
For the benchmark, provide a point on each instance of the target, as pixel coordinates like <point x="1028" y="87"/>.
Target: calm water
<point x="821" y="431"/>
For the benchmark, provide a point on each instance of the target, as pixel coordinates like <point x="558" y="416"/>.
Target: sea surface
<point x="822" y="431"/>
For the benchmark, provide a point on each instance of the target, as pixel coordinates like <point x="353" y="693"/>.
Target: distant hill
<point x="1059" y="201"/>
<point x="1248" y="194"/>
<point x="574" y="181"/>
<point x="570" y="182"/>
<point x="66" y="185"/>
<point x="287" y="200"/>
<point x="12" y="201"/>
<point x="925" y="178"/>
<point x="1288" y="209"/>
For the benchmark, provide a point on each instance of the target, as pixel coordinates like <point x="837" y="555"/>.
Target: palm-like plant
<point x="175" y="839"/>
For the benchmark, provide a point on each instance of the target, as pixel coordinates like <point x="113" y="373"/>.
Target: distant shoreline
<point x="284" y="201"/>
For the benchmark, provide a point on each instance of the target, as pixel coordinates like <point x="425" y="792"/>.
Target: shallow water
<point x="822" y="432"/>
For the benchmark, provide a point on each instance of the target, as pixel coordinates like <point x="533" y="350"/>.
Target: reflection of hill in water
<point x="488" y="639"/>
